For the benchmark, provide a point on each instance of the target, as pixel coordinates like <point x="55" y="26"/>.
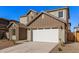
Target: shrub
<point x="60" y="49"/>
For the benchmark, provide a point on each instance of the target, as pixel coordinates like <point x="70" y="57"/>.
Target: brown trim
<point x="44" y="28"/>
<point x="9" y="25"/>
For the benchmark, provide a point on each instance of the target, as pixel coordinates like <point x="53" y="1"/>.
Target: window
<point x="60" y="14"/>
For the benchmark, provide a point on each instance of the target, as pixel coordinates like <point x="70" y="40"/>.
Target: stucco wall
<point x="55" y="13"/>
<point x="24" y="20"/>
<point x="62" y="35"/>
<point x="29" y="34"/>
<point x="31" y="16"/>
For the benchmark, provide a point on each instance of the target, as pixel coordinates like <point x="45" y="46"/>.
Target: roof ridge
<point x="33" y="10"/>
<point x="29" y="12"/>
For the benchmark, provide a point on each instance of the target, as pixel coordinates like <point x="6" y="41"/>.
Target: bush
<point x="61" y="43"/>
<point x="60" y="49"/>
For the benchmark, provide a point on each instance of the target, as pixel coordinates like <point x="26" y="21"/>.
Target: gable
<point x="66" y="12"/>
<point x="12" y="25"/>
<point x="45" y="21"/>
<point x="56" y="13"/>
<point x="31" y="16"/>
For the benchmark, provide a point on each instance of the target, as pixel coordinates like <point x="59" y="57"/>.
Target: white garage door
<point x="46" y="35"/>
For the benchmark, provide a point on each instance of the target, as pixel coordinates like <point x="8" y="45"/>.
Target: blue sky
<point x="14" y="12"/>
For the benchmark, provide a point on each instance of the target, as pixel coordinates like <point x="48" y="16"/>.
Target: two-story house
<point x="47" y="26"/>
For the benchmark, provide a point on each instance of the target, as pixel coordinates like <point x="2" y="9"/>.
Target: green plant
<point x="61" y="43"/>
<point x="60" y="49"/>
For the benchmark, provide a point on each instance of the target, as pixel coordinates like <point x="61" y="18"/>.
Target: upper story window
<point x="60" y="14"/>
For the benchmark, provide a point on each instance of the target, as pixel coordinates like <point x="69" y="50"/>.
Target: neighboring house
<point x="3" y="27"/>
<point x="17" y="31"/>
<point x="48" y="26"/>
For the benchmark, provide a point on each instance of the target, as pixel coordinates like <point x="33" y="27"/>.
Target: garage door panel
<point x="46" y="35"/>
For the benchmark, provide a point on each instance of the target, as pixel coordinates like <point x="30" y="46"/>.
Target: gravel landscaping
<point x="68" y="48"/>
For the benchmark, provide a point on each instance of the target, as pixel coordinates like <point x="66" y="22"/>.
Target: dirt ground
<point x="5" y="44"/>
<point x="67" y="48"/>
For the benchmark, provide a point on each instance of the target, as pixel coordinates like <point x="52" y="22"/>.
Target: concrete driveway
<point x="30" y="47"/>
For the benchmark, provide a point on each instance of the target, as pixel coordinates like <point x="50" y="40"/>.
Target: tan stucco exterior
<point x="35" y="20"/>
<point x="29" y="17"/>
<point x="23" y="20"/>
<point x="29" y="35"/>
<point x="62" y="34"/>
<point x="55" y="13"/>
